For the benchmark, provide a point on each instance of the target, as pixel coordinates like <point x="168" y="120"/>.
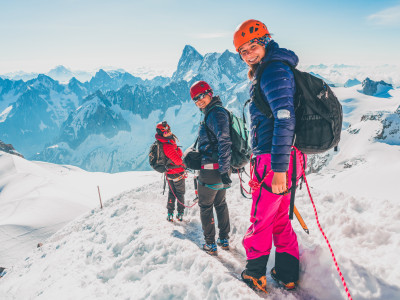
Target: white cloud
<point x="388" y="16"/>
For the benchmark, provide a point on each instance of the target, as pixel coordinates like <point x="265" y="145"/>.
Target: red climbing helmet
<point x="249" y="30"/>
<point x="200" y="88"/>
<point x="162" y="127"/>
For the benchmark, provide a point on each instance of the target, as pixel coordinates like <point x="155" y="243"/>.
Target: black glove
<point x="225" y="178"/>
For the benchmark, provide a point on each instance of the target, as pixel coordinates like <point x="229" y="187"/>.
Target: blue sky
<point x="38" y="35"/>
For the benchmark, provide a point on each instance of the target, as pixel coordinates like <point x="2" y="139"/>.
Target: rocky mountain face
<point x="94" y="117"/>
<point x="108" y="122"/>
<point x="33" y="111"/>
<point x="104" y="81"/>
<point x="390" y="131"/>
<point x="376" y="88"/>
<point x="9" y="149"/>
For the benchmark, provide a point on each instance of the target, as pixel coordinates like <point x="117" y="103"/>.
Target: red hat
<point x="200" y="87"/>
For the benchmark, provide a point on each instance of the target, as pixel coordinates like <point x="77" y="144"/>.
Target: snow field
<point x="38" y="198"/>
<point x="128" y="250"/>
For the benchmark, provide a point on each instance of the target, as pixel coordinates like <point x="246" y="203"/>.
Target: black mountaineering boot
<point x="286" y="270"/>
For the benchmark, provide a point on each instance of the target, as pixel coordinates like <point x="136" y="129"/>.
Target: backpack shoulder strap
<point x="195" y="143"/>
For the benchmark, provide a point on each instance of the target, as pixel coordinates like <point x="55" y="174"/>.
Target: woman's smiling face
<point x="252" y="53"/>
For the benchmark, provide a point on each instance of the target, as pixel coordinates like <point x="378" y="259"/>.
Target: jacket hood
<point x="215" y="101"/>
<point x="273" y="52"/>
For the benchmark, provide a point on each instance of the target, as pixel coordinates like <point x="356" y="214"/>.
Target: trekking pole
<point x="101" y="204"/>
<point x="300" y="219"/>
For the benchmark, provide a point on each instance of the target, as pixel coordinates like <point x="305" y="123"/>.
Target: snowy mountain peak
<point x="188" y="64"/>
<point x="376" y="88"/>
<point x="43" y="82"/>
<point x="59" y="70"/>
<point x="351" y="82"/>
<point x="45" y="79"/>
<point x="190" y="51"/>
<point x="102" y="75"/>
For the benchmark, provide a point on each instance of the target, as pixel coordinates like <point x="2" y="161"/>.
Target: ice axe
<point x="300" y="219"/>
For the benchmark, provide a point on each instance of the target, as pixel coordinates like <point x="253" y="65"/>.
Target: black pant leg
<point x="179" y="189"/>
<point x="206" y="204"/>
<point x="221" y="208"/>
<point x="171" y="197"/>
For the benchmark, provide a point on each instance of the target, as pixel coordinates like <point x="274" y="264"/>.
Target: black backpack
<point x="318" y="112"/>
<point x="157" y="159"/>
<point x="241" y="150"/>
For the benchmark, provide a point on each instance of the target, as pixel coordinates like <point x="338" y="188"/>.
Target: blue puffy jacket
<point x="275" y="135"/>
<point x="218" y="150"/>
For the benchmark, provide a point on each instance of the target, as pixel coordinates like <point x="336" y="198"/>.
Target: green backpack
<point x="241" y="150"/>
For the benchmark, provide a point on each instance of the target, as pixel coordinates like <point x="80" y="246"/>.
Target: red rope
<point x="253" y="182"/>
<point x="177" y="197"/>
<point x="323" y="234"/>
<point x="255" y="185"/>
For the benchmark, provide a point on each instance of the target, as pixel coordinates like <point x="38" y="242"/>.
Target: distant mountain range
<point x="107" y="122"/>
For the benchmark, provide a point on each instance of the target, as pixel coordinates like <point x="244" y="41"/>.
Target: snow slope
<point x="37" y="199"/>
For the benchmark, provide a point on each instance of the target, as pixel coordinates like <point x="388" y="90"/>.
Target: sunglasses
<point x="201" y="96"/>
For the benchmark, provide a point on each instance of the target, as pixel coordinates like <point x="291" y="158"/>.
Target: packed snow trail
<point x="128" y="250"/>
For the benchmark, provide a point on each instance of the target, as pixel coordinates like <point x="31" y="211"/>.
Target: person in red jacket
<point x="175" y="170"/>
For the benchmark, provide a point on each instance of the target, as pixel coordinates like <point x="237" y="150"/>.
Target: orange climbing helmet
<point x="249" y="30"/>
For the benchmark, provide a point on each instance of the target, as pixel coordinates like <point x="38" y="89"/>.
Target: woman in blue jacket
<point x="272" y="140"/>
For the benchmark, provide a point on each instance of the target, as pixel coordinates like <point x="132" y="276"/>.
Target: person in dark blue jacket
<point x="215" y="148"/>
<point x="272" y="140"/>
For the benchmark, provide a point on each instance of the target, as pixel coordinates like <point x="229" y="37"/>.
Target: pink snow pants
<point x="270" y="214"/>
